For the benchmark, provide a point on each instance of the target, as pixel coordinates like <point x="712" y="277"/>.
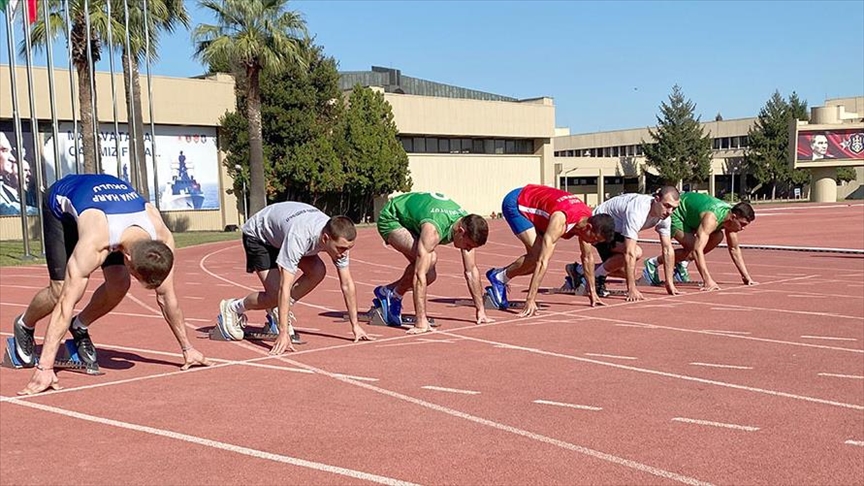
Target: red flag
<point x="32" y="10"/>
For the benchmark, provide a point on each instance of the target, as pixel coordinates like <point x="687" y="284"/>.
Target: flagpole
<point x="34" y="123"/>
<point x="16" y="121"/>
<point x="51" y="94"/>
<point x="150" y="107"/>
<point x="114" y="91"/>
<point x="72" y="92"/>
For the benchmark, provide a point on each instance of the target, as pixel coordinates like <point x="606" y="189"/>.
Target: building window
<point x="499" y="146"/>
<point x="443" y="146"/>
<point x="724" y="143"/>
<point x="716" y="144"/>
<point x="408" y="144"/>
<point x="419" y="145"/>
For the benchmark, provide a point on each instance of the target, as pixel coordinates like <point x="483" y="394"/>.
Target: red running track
<point x="748" y="385"/>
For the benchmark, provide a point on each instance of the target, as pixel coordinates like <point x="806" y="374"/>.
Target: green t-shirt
<point x="688" y="215"/>
<point x="411" y="210"/>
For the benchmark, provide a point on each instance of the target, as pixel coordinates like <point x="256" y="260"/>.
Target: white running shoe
<point x="230" y="323"/>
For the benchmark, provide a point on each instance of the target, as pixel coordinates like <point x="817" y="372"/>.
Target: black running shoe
<point x="25" y="344"/>
<point x="600" y="283"/>
<point x="86" y="350"/>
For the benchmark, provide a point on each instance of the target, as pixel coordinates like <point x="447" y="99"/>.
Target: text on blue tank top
<point x="96" y="191"/>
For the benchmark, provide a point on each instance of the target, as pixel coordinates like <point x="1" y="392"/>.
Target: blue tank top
<point x="77" y="193"/>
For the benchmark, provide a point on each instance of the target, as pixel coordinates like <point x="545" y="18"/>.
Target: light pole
<point x="566" y="185"/>
<point x="245" y="209"/>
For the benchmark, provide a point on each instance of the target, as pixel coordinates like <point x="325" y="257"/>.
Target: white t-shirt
<point x="293" y="227"/>
<point x="631" y="213"/>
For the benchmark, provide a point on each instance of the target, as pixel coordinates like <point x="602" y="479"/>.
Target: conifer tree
<point x="680" y="149"/>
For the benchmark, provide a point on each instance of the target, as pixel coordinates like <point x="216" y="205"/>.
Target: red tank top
<point x="537" y="203"/>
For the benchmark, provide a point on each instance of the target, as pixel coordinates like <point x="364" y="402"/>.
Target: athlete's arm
<point x="668" y="263"/>
<point x="738" y="256"/>
<point x="631" y="255"/>
<point x="554" y="230"/>
<point x="707" y="225"/>
<point x="283" y="340"/>
<point x="587" y="253"/>
<point x="349" y="293"/>
<point x="472" y="278"/>
<point x="424" y="252"/>
<point x="169" y="304"/>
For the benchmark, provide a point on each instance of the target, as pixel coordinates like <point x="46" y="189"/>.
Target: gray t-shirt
<point x="294" y="228"/>
<point x="631" y="213"/>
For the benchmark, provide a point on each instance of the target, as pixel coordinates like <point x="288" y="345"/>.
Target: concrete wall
<point x="477" y="182"/>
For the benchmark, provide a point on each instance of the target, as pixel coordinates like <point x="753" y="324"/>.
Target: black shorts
<point x="61" y="236"/>
<point x="259" y="254"/>
<point x="605" y="248"/>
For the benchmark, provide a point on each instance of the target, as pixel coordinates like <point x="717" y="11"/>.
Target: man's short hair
<point x="663" y="191"/>
<point x="744" y="210"/>
<point x="603" y="225"/>
<point x="341" y="227"/>
<point x="152" y="261"/>
<point x="476" y="228"/>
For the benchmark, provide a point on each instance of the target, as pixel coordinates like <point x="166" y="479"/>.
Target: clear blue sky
<point x="608" y="65"/>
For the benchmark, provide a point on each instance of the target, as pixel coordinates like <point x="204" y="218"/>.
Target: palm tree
<point x="79" y="39"/>
<point x="254" y="35"/>
<point x="162" y="15"/>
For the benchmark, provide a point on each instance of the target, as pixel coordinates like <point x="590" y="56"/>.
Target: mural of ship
<point x="183" y="191"/>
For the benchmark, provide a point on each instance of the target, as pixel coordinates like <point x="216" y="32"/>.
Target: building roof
<point x="392" y="81"/>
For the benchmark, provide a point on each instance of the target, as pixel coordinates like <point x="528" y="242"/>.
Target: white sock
<point x="502" y="275"/>
<point x="653" y="261"/>
<point x="24" y="324"/>
<point x="600" y="271"/>
<point x="76" y="324"/>
<point x="238" y="306"/>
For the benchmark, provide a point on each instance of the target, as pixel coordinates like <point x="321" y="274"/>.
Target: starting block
<point x="569" y="289"/>
<point x="269" y="332"/>
<point x="69" y="360"/>
<point x="375" y="317"/>
<point x="489" y="303"/>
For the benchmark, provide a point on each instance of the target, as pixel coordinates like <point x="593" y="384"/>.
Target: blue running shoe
<point x="575" y="274"/>
<point x="391" y="307"/>
<point x="498" y="290"/>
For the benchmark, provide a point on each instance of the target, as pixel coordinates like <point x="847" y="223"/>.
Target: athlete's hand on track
<point x="193" y="357"/>
<point x="750" y="281"/>
<point x="360" y="334"/>
<point x="41" y="381"/>
<point x="710" y="286"/>
<point x="481" y="317"/>
<point x="635" y="295"/>
<point x="673" y="290"/>
<point x="283" y="343"/>
<point x="530" y="308"/>
<point x="594" y="300"/>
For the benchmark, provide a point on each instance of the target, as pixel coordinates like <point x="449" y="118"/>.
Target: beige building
<point x="182" y="108"/>
<point x="470" y="145"/>
<point x="604" y="164"/>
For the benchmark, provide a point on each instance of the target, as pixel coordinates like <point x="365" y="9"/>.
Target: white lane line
<point x="569" y="405"/>
<point x="274" y="367"/>
<point x="743" y="333"/>
<point x="450" y="390"/>
<point x="731" y="367"/>
<point x="643" y="326"/>
<point x="352" y="377"/>
<point x="191" y="283"/>
<point x="609" y="356"/>
<point x="716" y="424"/>
<point x="829" y="338"/>
<point x="731" y="309"/>
<point x="834" y="375"/>
<point x="193" y="297"/>
<point x="859" y="443"/>
<point x="800" y="296"/>
<point x="351" y="473"/>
